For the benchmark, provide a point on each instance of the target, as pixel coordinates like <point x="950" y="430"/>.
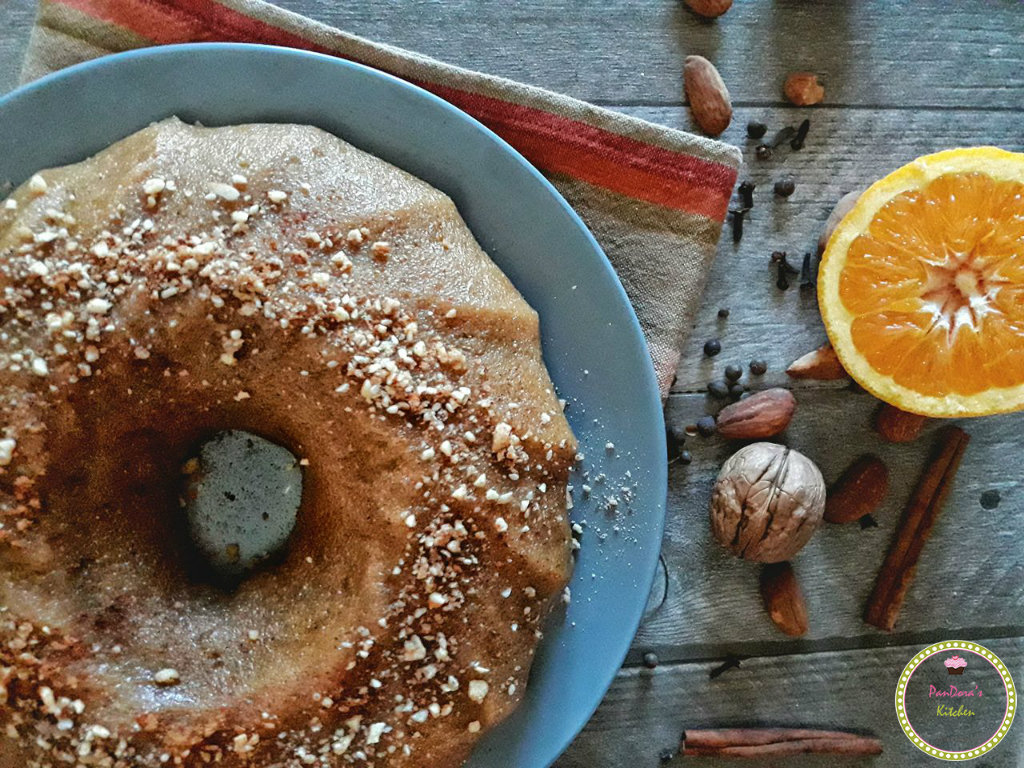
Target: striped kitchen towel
<point x="655" y="198"/>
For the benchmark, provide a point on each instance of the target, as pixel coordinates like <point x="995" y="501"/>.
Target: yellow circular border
<point x="1011" y="700"/>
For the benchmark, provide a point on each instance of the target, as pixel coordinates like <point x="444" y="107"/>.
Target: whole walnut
<point x="767" y="502"/>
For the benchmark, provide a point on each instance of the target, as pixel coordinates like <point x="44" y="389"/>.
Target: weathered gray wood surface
<point x="906" y="53"/>
<point x="646" y="711"/>
<point x="15" y="21"/>
<point x="902" y="79"/>
<point x="969" y="576"/>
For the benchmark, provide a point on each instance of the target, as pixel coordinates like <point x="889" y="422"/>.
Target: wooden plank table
<point x="902" y="79"/>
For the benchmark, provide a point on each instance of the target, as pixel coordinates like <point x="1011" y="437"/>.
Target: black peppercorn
<point x="712" y="347"/>
<point x="650" y="660"/>
<point x="736" y="390"/>
<point x="718" y="390"/>
<point x="763" y="152"/>
<point x="784" y="187"/>
<point x="723" y="313"/>
<point x="667" y="756"/>
<point x="758" y="367"/>
<point x="990" y="499"/>
<point x="685" y="457"/>
<point x="706" y="426"/>
<point x="733" y="372"/>
<point x="756" y="130"/>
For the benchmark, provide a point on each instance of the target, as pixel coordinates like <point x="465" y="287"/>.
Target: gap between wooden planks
<point x="645" y="711"/>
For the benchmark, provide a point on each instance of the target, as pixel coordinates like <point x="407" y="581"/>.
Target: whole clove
<point x="783" y="270"/>
<point x="755" y="129"/>
<point x="736" y="216"/>
<point x="733" y="662"/>
<point x="806" y="273"/>
<point x="781" y="258"/>
<point x="782" y="279"/>
<point x="795" y="137"/>
<point x="746" y="191"/>
<point x="785" y="134"/>
<point x="797" y="142"/>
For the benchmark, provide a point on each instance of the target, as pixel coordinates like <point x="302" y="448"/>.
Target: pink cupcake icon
<point x="955" y="665"/>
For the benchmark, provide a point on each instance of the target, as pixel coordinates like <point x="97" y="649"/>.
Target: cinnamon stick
<point x="775" y="742"/>
<point x="915" y="527"/>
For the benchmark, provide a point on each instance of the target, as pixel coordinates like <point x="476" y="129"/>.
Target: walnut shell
<point x="767" y="502"/>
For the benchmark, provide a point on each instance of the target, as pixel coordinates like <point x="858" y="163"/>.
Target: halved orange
<point x="921" y="286"/>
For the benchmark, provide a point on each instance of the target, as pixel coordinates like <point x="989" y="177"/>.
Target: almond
<point x="858" y="491"/>
<point x="783" y="599"/>
<point x="707" y="94"/>
<point x="822" y="364"/>
<point x="803" y="89"/>
<point x="709" y="8"/>
<point x="896" y="426"/>
<point x="843" y="207"/>
<point x="759" y="416"/>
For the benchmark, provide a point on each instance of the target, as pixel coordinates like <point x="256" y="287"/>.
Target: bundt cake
<point x="274" y="280"/>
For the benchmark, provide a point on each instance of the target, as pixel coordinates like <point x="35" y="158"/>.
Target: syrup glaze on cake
<point x="272" y="279"/>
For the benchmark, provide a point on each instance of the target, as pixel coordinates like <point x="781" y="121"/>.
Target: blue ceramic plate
<point x="592" y="341"/>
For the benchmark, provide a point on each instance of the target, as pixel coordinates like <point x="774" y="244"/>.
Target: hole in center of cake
<point x="241" y="497"/>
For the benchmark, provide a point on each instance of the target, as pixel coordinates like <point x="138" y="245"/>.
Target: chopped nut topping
<point x="167" y="677"/>
<point x="154" y="186"/>
<point x="37" y="185"/>
<point x="478" y="690"/>
<point x="7" y="446"/>
<point x="98" y="306"/>
<point x="224" y="191"/>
